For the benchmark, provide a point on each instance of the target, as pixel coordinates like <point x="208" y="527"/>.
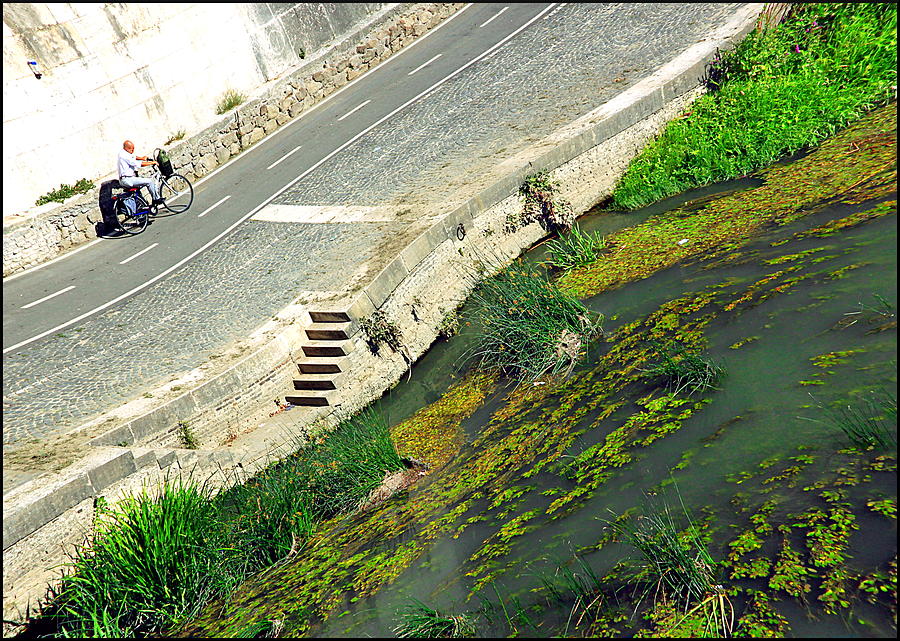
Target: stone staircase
<point x="320" y="372"/>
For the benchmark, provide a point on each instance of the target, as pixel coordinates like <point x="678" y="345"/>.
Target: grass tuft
<point x="680" y="568"/>
<point x="229" y="100"/>
<point x="871" y="422"/>
<point x="574" y="249"/>
<point x="683" y="370"/>
<point x="152" y="562"/>
<point x="527" y="327"/>
<point x="418" y="621"/>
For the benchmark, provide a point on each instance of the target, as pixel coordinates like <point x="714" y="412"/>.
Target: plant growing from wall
<point x="380" y="330"/>
<point x="229" y="100"/>
<point x="66" y="191"/>
<point x="178" y="135"/>
<point x="186" y="435"/>
<point x="449" y="325"/>
<point x="542" y="205"/>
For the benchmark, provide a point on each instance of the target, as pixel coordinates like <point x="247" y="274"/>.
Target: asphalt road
<point x="95" y="278"/>
<point x="102" y="325"/>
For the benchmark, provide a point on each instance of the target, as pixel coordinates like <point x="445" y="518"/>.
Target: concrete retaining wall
<point x="43" y="233"/>
<point x="431" y="275"/>
<point x="112" y="71"/>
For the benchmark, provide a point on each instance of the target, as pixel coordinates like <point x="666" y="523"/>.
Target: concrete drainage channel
<point x="318" y="362"/>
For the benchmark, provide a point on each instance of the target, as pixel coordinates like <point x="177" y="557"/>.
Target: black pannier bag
<point x="165" y="165"/>
<point x="107" y="208"/>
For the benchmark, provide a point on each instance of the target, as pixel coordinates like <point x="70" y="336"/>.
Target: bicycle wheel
<point x="176" y="188"/>
<point x="132" y="223"/>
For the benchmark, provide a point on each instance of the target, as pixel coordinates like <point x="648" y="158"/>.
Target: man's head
<point x="128" y="146"/>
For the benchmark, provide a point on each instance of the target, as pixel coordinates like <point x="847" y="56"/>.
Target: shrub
<point x="229" y="100"/>
<point x="66" y="191"/>
<point x="542" y="205"/>
<point x="379" y="330"/>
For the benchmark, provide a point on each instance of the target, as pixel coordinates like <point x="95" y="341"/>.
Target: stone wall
<point x="54" y="228"/>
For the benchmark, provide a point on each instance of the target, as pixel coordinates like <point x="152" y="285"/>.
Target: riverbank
<point x="546" y="453"/>
<point x="778" y="91"/>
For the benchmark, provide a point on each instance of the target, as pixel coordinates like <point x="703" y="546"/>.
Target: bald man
<point x="127" y="165"/>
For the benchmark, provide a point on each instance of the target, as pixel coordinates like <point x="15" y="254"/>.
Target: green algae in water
<point x="464" y="530"/>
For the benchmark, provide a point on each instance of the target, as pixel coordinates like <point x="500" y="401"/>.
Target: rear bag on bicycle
<point x="107" y="206"/>
<point x="165" y="165"/>
<point x="130" y="203"/>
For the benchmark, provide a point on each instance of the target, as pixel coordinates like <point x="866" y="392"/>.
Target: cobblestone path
<point x="559" y="68"/>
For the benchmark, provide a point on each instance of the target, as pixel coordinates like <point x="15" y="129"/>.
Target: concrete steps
<point x="320" y="372"/>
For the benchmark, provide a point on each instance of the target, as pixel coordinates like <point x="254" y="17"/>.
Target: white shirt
<point x="126" y="164"/>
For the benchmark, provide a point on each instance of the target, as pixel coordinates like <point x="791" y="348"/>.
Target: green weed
<point x="66" y="191"/>
<point x="418" y="621"/>
<point x="527" y="326"/>
<point x="781" y="89"/>
<point x="574" y="249"/>
<point x="229" y="100"/>
<point x="154" y="560"/>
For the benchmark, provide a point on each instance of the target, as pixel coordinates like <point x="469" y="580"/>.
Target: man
<point x="127" y="165"/>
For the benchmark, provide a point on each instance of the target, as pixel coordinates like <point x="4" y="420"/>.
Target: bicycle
<point x="173" y="187"/>
<point x="132" y="210"/>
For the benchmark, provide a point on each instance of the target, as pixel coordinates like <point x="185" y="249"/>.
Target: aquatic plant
<point x="871" y="422"/>
<point x="574" y="248"/>
<point x="791" y="191"/>
<point x="153" y="562"/>
<point x="779" y="90"/>
<point x="680" y="568"/>
<point x="418" y="621"/>
<point x="527" y="327"/>
<point x="683" y="369"/>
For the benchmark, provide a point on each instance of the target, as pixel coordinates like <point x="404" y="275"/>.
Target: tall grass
<point x="154" y="560"/>
<point x="574" y="249"/>
<point x="275" y="512"/>
<point x="682" y="369"/>
<point x="871" y="422"/>
<point x="418" y="621"/>
<point x="527" y="327"/>
<point x="680" y="568"/>
<point x="157" y="559"/>
<point x="781" y="89"/>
